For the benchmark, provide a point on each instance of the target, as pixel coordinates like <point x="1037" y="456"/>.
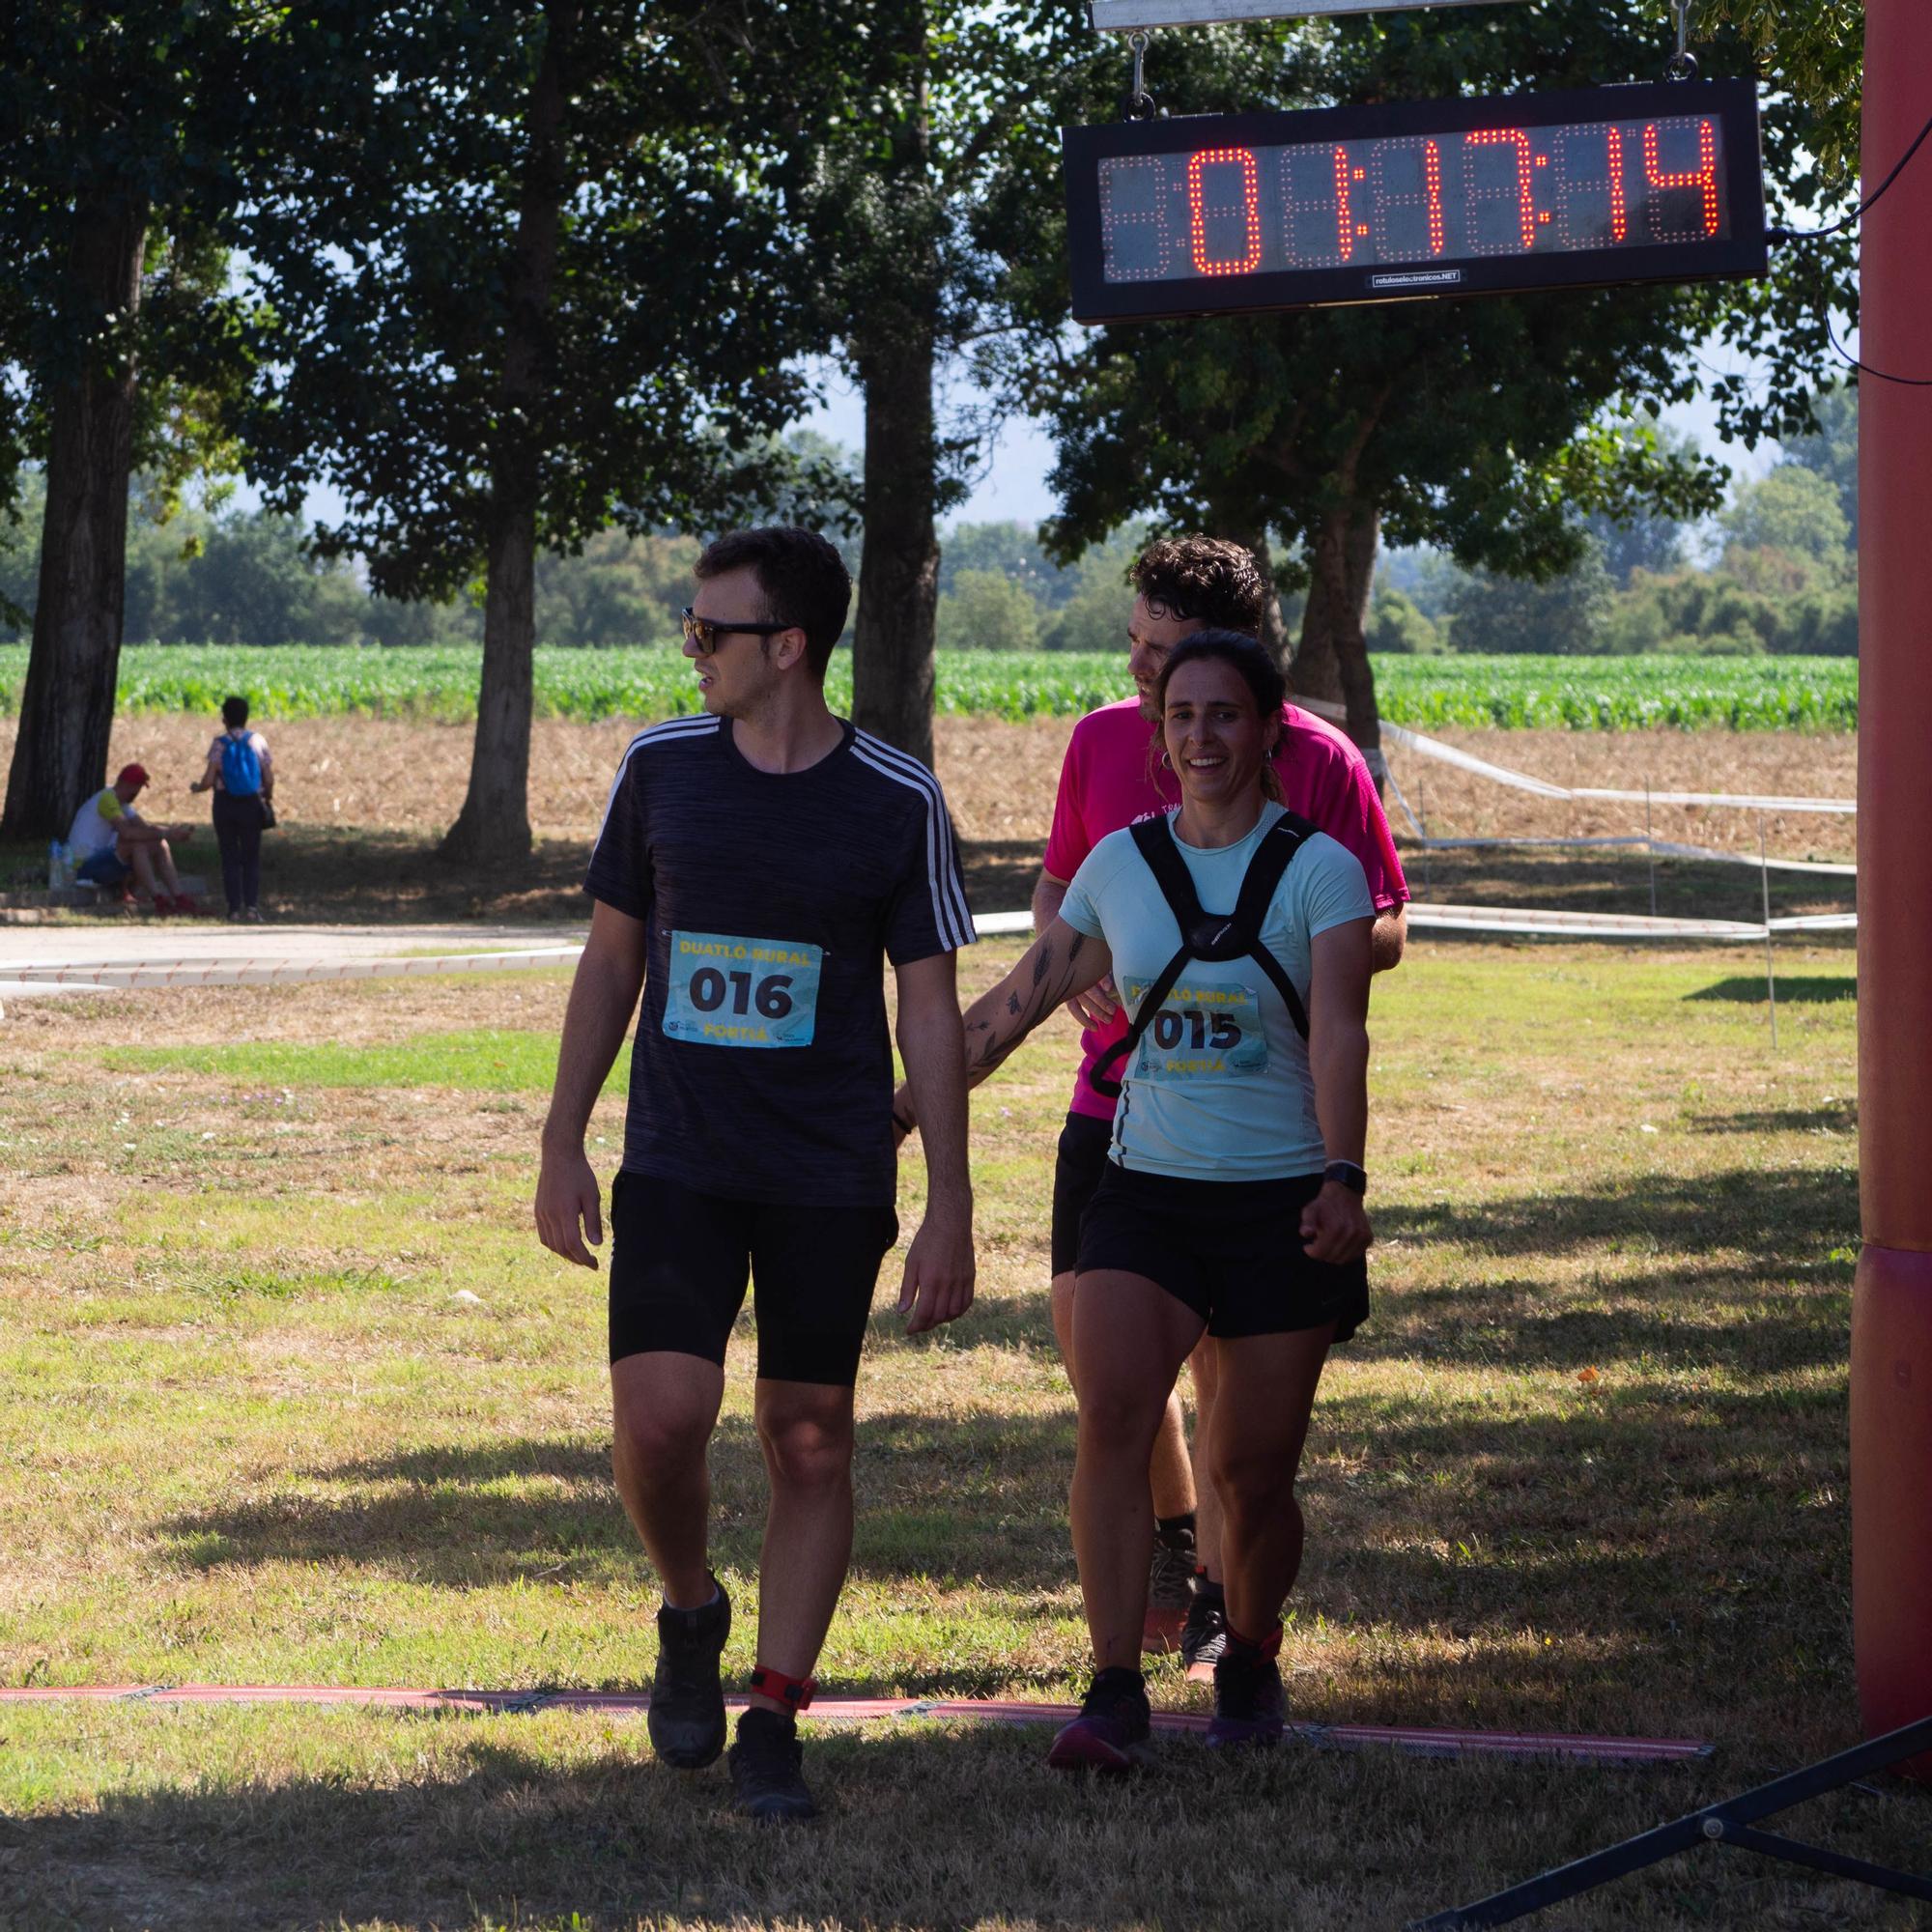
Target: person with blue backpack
<point x="1232" y="1204"/>
<point x="242" y="776"/>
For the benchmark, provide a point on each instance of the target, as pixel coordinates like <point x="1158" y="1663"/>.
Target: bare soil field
<point x="362" y="802"/>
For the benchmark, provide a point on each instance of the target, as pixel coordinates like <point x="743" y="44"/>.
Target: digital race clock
<point x="1219" y="213"/>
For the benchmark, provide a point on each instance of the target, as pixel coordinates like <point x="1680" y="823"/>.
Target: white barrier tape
<point x="1616" y="925"/>
<point x="38" y="975"/>
<point x="275" y="972"/>
<point x="1665" y="848"/>
<point x="1828" y="868"/>
<point x="1744" y="801"/>
<point x="1577" y="924"/>
<point x="1448" y="755"/>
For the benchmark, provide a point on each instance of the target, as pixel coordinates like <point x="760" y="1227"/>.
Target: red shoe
<point x="184" y="905"/>
<point x="163" y="906"/>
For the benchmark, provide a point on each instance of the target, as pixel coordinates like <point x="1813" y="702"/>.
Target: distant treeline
<point x="1776" y="576"/>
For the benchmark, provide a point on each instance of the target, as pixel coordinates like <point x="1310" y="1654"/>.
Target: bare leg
<point x="665" y="1407"/>
<point x="1061" y="1301"/>
<point x="805" y="1431"/>
<point x="141" y="856"/>
<point x="1203" y="1365"/>
<point x="1170" y="1474"/>
<point x="1261" y="1421"/>
<point x="151" y="861"/>
<point x="1130" y="1338"/>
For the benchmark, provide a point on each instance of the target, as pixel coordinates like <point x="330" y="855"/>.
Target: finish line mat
<point x="1414" y="1740"/>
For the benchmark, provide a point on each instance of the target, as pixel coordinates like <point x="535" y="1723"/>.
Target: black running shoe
<point x="766" y="1777"/>
<point x="1112" y="1731"/>
<point x="687" y="1712"/>
<point x="1205" y="1635"/>
<point x="1170" y="1597"/>
<point x="1249" y="1709"/>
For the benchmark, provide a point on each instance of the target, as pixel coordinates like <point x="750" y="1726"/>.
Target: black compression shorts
<point x="679" y="1263"/>
<point x="1077" y="1168"/>
<point x="1230" y="1249"/>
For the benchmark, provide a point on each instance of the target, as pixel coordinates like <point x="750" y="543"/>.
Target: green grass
<point x="486" y="1062"/>
<point x="1580" y="693"/>
<point x="293" y="1395"/>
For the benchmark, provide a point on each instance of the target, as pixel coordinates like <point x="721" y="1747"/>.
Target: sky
<point x="1012" y="485"/>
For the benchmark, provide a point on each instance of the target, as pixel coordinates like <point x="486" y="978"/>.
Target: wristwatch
<point x="1347" y="1174"/>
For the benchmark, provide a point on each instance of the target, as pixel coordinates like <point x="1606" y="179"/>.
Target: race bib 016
<point x="1203" y="1030"/>
<point x="724" y="991"/>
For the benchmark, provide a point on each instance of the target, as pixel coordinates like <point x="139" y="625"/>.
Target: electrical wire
<point x="1857" y="214"/>
<point x="1867" y="369"/>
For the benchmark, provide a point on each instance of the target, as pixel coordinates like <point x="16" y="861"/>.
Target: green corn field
<point x="655" y="681"/>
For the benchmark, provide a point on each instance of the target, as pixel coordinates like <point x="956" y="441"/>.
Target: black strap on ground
<point x="1730" y="1823"/>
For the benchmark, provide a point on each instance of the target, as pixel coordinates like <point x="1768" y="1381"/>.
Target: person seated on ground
<point x="1232" y="1202"/>
<point x="112" y="843"/>
<point x="241" y="774"/>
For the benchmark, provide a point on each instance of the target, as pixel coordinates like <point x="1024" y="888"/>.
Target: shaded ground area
<point x="363" y="800"/>
<point x="292" y="1396"/>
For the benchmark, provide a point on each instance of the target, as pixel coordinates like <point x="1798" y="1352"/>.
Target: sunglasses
<point x="703" y="634"/>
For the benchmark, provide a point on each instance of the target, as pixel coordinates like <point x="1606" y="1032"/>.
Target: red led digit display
<point x="1486" y="184"/>
<point x="1703" y="178"/>
<point x="1239" y="210"/>
<point x="1247" y="215"/>
<point x="1409" y="197"/>
<point x="1423" y="197"/>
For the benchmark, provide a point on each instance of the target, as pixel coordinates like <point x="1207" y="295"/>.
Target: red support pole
<point x="1891" y="1302"/>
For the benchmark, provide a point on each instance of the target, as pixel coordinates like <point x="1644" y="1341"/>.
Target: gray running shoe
<point x="687" y="1712"/>
<point x="1205" y="1636"/>
<point x="1169" y="1597"/>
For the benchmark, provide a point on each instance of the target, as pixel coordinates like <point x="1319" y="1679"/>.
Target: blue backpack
<point x="241" y="768"/>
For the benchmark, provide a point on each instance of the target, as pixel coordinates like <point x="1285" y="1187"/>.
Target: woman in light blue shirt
<point x="1234" y="1196"/>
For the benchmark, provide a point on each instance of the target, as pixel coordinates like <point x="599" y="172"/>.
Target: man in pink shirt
<point x="1110" y="778"/>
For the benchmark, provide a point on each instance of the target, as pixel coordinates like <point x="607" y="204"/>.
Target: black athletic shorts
<point x="1230" y="1249"/>
<point x="679" y="1260"/>
<point x="1077" y="1169"/>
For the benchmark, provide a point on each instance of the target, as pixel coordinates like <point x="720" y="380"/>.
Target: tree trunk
<point x="1333" y="660"/>
<point x="494" y="825"/>
<point x="894" y="349"/>
<point x="898" y="574"/>
<point x="67" y="709"/>
<point x="1274" y="630"/>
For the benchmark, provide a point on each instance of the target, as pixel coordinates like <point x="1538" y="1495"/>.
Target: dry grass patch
<point x="306" y="1402"/>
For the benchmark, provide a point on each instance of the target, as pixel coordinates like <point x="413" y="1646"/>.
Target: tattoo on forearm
<point x="989" y="1040"/>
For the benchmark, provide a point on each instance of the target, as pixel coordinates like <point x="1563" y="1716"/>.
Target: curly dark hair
<point x="804" y="582"/>
<point x="1209" y="579"/>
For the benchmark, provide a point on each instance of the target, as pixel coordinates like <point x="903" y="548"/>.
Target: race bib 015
<point x="725" y="991"/>
<point x="1203" y="1030"/>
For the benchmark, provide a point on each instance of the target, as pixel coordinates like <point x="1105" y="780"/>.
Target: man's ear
<point x="790" y="647"/>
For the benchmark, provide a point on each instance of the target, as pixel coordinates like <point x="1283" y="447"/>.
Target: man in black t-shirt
<point x="757" y="867"/>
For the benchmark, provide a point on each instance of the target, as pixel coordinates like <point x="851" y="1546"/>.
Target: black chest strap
<point x="1210" y="936"/>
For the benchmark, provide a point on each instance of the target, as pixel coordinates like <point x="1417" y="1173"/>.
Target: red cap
<point x="135" y="775"/>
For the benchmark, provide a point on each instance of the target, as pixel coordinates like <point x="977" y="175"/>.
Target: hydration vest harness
<point x="1213" y="936"/>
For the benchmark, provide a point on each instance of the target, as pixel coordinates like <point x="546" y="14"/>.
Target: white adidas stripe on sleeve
<point x="952" y="918"/>
<point x="673" y="727"/>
